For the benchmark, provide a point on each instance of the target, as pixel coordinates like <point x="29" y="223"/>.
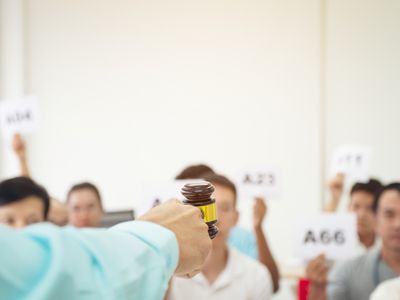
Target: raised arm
<point x="336" y="186"/>
<point x="133" y="260"/>
<point x="264" y="253"/>
<point x="19" y="147"/>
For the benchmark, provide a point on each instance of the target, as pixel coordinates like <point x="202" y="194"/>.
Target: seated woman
<point x="84" y="205"/>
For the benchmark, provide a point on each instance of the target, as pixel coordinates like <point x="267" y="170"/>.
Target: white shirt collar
<point x="231" y="270"/>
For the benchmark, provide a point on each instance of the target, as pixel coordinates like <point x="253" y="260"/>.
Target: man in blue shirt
<point x="133" y="260"/>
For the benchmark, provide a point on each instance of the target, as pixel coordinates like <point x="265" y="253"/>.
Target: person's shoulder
<point x="355" y="265"/>
<point x="241" y="233"/>
<point x="244" y="241"/>
<point x="366" y="259"/>
<point x="387" y="289"/>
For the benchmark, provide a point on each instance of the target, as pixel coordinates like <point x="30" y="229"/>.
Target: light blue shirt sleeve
<point x="244" y="241"/>
<point x="133" y="260"/>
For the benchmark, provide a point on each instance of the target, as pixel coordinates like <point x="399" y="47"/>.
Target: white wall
<point x="11" y="68"/>
<point x="136" y="90"/>
<point x="363" y="80"/>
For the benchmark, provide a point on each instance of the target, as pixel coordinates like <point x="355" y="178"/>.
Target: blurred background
<point x="131" y="92"/>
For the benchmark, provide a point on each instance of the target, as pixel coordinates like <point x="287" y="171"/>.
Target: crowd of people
<point x="240" y="264"/>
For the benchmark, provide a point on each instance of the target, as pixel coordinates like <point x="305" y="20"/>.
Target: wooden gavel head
<point x="200" y="195"/>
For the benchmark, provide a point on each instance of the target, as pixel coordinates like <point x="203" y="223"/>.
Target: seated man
<point x="22" y="202"/>
<point x="253" y="245"/>
<point x="362" y="197"/>
<point x="227" y="274"/>
<point x="357" y="278"/>
<point x="84" y="205"/>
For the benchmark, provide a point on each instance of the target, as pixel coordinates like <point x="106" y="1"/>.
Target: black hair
<point x="194" y="172"/>
<point x="373" y="187"/>
<point x="395" y="186"/>
<point x="18" y="188"/>
<point x="221" y="180"/>
<point x="85" y="186"/>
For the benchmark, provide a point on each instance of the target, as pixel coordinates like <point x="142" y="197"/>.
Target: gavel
<point x="200" y="195"/>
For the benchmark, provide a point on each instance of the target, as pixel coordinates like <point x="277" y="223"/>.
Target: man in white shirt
<point x="227" y="274"/>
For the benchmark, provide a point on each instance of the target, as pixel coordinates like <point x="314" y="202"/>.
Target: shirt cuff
<point x="157" y="237"/>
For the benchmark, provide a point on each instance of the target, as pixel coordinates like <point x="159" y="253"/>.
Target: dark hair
<point x="85" y="186"/>
<point x="390" y="187"/>
<point x="373" y="187"/>
<point x="194" y="172"/>
<point x="18" y="188"/>
<point x="221" y="180"/>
